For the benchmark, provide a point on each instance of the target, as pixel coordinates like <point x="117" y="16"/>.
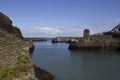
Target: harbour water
<point x="67" y="64"/>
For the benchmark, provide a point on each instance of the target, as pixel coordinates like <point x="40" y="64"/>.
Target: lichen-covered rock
<point x="15" y="62"/>
<point x="14" y="53"/>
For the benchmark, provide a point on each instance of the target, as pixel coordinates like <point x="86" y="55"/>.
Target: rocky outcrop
<point x="16" y="31"/>
<point x="116" y="29"/>
<point x="43" y="74"/>
<point x="115" y="32"/>
<point x="14" y="56"/>
<point x="15" y="62"/>
<point x="6" y="24"/>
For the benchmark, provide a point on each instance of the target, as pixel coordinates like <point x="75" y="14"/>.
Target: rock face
<point x="16" y="31"/>
<point x="115" y="32"/>
<point x="15" y="62"/>
<point x="14" y="55"/>
<point x="42" y="74"/>
<point x="6" y="24"/>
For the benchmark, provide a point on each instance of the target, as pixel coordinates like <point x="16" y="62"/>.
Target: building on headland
<point x="105" y="41"/>
<point x="100" y="37"/>
<point x="86" y="34"/>
<point x="66" y="39"/>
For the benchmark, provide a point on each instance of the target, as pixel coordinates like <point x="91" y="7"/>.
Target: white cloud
<point x="54" y="31"/>
<point x="63" y="31"/>
<point x="46" y="30"/>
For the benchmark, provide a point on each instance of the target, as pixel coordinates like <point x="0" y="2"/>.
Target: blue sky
<point x="51" y="18"/>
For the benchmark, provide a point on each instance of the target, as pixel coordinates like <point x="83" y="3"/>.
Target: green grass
<point x="9" y="73"/>
<point x="16" y="71"/>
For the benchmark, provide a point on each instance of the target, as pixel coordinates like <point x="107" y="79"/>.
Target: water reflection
<point x="76" y="65"/>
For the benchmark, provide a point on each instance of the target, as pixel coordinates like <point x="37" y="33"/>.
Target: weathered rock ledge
<point x="14" y="55"/>
<point x="15" y="62"/>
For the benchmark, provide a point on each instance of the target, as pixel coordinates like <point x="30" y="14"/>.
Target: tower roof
<point x="86" y="29"/>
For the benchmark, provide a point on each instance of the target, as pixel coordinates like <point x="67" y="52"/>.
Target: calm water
<point x="76" y="65"/>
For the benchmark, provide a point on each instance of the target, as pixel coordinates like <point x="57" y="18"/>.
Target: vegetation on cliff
<point x="15" y="62"/>
<point x="14" y="57"/>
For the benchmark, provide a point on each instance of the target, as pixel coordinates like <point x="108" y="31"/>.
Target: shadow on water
<point x="68" y="64"/>
<point x="97" y="52"/>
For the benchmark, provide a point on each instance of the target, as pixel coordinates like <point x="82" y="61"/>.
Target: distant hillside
<point x="115" y="32"/>
<point x="6" y="24"/>
<point x="116" y="29"/>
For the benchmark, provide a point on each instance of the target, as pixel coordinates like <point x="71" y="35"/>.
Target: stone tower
<point x="86" y="34"/>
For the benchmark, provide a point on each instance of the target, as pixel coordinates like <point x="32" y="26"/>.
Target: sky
<point x="52" y="18"/>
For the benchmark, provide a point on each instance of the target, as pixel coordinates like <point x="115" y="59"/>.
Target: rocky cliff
<point x="6" y="24"/>
<point x="15" y="62"/>
<point x="115" y="32"/>
<point x="14" y="58"/>
<point x="116" y="29"/>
